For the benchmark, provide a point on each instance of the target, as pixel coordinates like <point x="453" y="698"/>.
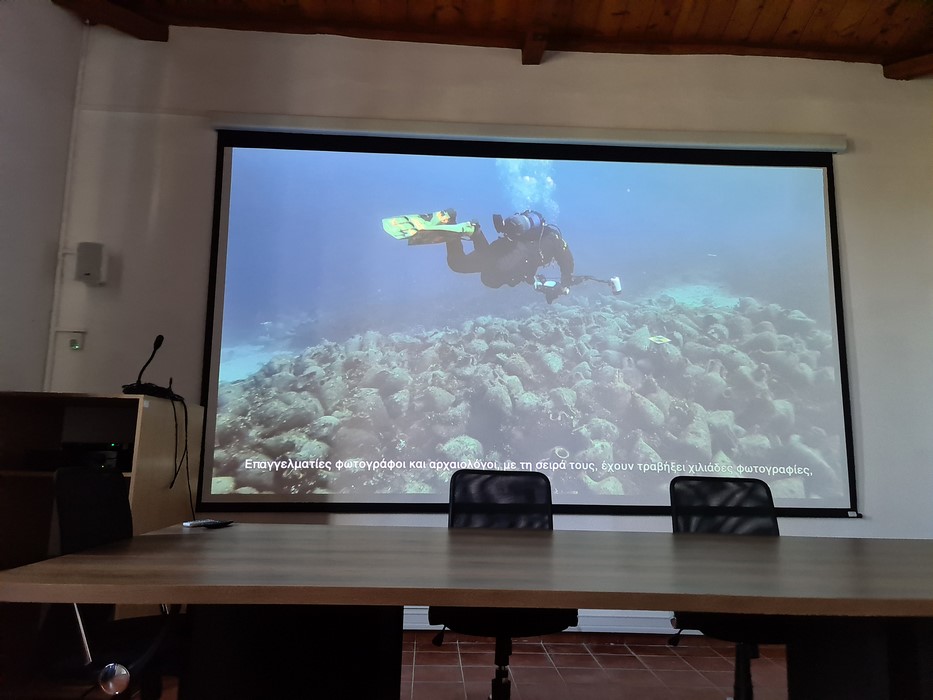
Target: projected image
<point x="388" y="318"/>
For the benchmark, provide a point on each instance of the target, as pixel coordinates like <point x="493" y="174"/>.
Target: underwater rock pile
<point x="613" y="397"/>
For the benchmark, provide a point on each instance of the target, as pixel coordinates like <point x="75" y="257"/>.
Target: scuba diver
<point x="526" y="243"/>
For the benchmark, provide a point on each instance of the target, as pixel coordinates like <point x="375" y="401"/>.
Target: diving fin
<point x="437" y="227"/>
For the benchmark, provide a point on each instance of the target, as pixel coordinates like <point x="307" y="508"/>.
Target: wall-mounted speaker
<point x="91" y="263"/>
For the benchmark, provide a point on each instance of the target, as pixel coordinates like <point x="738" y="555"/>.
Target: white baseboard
<point x="614" y="621"/>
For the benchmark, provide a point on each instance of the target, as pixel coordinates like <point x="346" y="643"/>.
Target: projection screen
<point x="353" y="364"/>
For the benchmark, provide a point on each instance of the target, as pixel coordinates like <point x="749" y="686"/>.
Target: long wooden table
<point x="864" y="597"/>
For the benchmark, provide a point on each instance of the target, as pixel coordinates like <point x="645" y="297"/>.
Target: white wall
<point x="40" y="54"/>
<point x="143" y="180"/>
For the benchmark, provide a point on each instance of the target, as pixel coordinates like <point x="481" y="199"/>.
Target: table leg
<point x="862" y="659"/>
<point x="248" y="652"/>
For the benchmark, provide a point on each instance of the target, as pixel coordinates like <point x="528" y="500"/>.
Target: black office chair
<point x="734" y="506"/>
<point x="84" y="643"/>
<point x="500" y="499"/>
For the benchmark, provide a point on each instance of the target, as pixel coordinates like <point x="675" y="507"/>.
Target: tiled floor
<point x="568" y="666"/>
<point x="585" y="666"/>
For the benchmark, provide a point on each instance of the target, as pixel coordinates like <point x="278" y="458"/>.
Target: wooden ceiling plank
<point x="289" y="8"/>
<point x="824" y="14"/>
<point x="768" y="21"/>
<point x="689" y="20"/>
<point x="313" y="10"/>
<point x="585" y="17"/>
<point x="612" y="14"/>
<point x="477" y="14"/>
<point x="394" y="12"/>
<point x="744" y="16"/>
<point x="543" y="13"/>
<point x="420" y="12"/>
<point x="842" y="31"/>
<point x="121" y="19"/>
<point x="917" y="40"/>
<point x="335" y="11"/>
<point x="922" y="26"/>
<point x="875" y="20"/>
<point x="369" y="11"/>
<point x="560" y="15"/>
<point x="794" y="23"/>
<point x="449" y="13"/>
<point x="636" y="18"/>
<point x="663" y="19"/>
<point x="716" y="20"/>
<point x="908" y="69"/>
<point x="509" y="16"/>
<point x="905" y="19"/>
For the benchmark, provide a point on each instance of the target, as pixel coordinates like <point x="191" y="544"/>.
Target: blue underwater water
<point x="307" y="258"/>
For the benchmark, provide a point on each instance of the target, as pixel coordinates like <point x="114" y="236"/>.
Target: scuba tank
<point x="528" y="226"/>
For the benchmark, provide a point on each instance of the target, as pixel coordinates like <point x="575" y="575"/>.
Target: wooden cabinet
<point x="145" y="436"/>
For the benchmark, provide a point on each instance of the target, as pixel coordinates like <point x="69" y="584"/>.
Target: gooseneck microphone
<point x="157" y="343"/>
<point x="147" y="388"/>
<point x="114" y="676"/>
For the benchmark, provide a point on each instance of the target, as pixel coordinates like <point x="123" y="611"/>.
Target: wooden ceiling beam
<point x="534" y="47"/>
<point x="121" y="19"/>
<point x="910" y="68"/>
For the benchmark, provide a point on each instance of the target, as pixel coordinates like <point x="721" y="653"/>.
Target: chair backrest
<point x="729" y="505"/>
<point x="93" y="507"/>
<point x="500" y="499"/>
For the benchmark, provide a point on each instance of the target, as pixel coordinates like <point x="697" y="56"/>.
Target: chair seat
<point x="502" y="622"/>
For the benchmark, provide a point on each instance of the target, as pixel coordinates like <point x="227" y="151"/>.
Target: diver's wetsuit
<point x="511" y="261"/>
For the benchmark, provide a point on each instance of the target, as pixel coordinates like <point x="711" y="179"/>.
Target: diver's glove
<point x="550" y="288"/>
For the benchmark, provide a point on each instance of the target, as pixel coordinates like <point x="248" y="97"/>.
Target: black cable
<point x="577" y="279"/>
<point x="184" y="459"/>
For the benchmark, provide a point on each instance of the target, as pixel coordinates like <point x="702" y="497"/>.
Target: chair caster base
<point x="501" y="685"/>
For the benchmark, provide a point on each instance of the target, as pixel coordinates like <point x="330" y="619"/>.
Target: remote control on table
<point x="207" y="522"/>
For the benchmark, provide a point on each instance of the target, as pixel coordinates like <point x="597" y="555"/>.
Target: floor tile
<point x="574" y="660"/>
<point x="539" y="660"/>
<point x="477" y="658"/>
<point x="583" y="676"/>
<point x="668" y="663"/>
<point x="438" y="674"/>
<point x="625" y="678"/>
<point x="710" y="663"/>
<point x="528" y="674"/>
<point x="449" y="657"/>
<point x="438" y="691"/>
<point x="683" y="679"/>
<point x="619" y="661"/>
